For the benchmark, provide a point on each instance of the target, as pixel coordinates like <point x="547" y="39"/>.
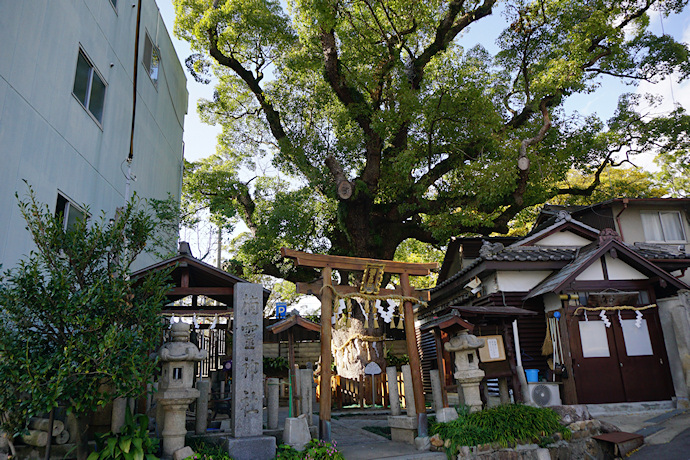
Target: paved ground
<point x="356" y="443"/>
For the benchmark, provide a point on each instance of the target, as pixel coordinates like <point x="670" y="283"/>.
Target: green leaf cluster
<point x="506" y="425"/>
<point x="315" y="450"/>
<point x="132" y="442"/>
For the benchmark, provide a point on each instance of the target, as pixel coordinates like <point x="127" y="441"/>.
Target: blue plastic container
<point x="532" y="375"/>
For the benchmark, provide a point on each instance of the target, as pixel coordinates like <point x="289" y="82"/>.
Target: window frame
<point x="93" y="70"/>
<point x="66" y="208"/>
<point x="148" y="61"/>
<point x="657" y="215"/>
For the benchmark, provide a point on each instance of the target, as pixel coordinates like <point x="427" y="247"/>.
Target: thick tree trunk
<point x="354" y="347"/>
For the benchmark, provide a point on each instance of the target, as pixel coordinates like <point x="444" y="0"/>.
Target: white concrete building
<point x="66" y="108"/>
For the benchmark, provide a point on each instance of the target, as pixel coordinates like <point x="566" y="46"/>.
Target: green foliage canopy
<point x="383" y="127"/>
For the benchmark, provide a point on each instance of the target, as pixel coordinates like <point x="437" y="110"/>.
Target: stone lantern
<point x="467" y="371"/>
<point x="175" y="390"/>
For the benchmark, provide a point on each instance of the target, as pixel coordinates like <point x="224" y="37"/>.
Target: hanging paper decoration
<point x="386" y="314"/>
<point x="215" y="321"/>
<point x="195" y="322"/>
<point x="638" y="319"/>
<point x="586" y="318"/>
<point x="605" y="318"/>
<point x="173" y="320"/>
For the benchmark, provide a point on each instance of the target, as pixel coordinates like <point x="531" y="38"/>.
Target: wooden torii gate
<point x="329" y="263"/>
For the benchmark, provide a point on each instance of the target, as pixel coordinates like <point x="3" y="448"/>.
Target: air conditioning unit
<point x="544" y="394"/>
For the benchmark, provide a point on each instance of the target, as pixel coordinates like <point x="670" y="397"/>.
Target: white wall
<point x="46" y="136"/>
<point x="563" y="239"/>
<point x="514" y="281"/>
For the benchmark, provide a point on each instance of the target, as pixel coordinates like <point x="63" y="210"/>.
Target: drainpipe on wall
<point x="130" y="156"/>
<point x="618" y="220"/>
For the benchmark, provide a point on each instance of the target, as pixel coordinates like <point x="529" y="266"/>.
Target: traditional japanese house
<point x="601" y="322"/>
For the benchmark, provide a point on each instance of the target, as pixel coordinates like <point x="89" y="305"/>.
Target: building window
<point x="152" y="59"/>
<point x="663" y="227"/>
<point x="69" y="212"/>
<point x="89" y="88"/>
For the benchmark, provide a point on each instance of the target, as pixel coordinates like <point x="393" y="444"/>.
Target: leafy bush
<point x="314" y="450"/>
<point x="131" y="443"/>
<point x="204" y="451"/>
<point x="277" y="365"/>
<point x="397" y="361"/>
<point x="507" y="425"/>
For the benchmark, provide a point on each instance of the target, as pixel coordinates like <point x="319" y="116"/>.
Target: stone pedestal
<point x="468" y="374"/>
<point x="175" y="386"/>
<point x="296" y="433"/>
<point x="447" y="414"/>
<point x="392" y="377"/>
<point x="403" y="428"/>
<point x="250" y="447"/>
<point x="409" y="391"/>
<point x="503" y="390"/>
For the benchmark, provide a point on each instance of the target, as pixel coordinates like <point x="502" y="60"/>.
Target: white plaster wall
<point x="46" y="136"/>
<point x="592" y="273"/>
<point x="563" y="239"/>
<point x="552" y="302"/>
<point x="514" y="281"/>
<point x="619" y="270"/>
<point x="631" y="222"/>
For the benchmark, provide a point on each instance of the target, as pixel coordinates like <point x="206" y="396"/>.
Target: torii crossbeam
<point x="327" y="263"/>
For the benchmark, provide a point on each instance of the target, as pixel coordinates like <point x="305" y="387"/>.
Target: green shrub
<point x="131" y="443"/>
<point x="204" y="451"/>
<point x="507" y="425"/>
<point x="314" y="450"/>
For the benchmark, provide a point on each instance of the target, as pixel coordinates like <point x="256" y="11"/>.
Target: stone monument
<point x="248" y="442"/>
<point x="468" y="374"/>
<point x="175" y="388"/>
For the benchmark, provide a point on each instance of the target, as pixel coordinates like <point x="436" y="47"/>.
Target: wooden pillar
<point x="325" y="390"/>
<point x="413" y="353"/>
<point x="565" y="322"/>
<point x="441" y="366"/>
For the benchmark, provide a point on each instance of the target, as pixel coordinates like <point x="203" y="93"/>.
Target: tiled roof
<point x="496" y="252"/>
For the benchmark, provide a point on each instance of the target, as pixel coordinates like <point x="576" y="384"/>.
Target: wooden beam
<point x="208" y="291"/>
<point x="325" y="389"/>
<point x="305" y="259"/>
<point x="314" y="288"/>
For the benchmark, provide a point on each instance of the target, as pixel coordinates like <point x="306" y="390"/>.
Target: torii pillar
<point x="329" y="263"/>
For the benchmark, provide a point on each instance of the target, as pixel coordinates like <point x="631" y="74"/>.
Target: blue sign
<point x="281" y="309"/>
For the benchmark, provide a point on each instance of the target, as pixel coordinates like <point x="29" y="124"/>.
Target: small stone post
<point x="468" y="374"/>
<point x="117" y="418"/>
<point x="409" y="392"/>
<point x="175" y="386"/>
<point x="273" y="385"/>
<point x="392" y="377"/>
<point x="436" y="390"/>
<point x="202" y="406"/>
<point x="503" y="390"/>
<point x="306" y="379"/>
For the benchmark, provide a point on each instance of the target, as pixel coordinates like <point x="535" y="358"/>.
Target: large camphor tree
<point x="380" y="126"/>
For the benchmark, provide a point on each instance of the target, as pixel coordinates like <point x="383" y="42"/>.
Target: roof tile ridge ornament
<point x="563" y="215"/>
<point x="607" y="235"/>
<point x="489" y="249"/>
